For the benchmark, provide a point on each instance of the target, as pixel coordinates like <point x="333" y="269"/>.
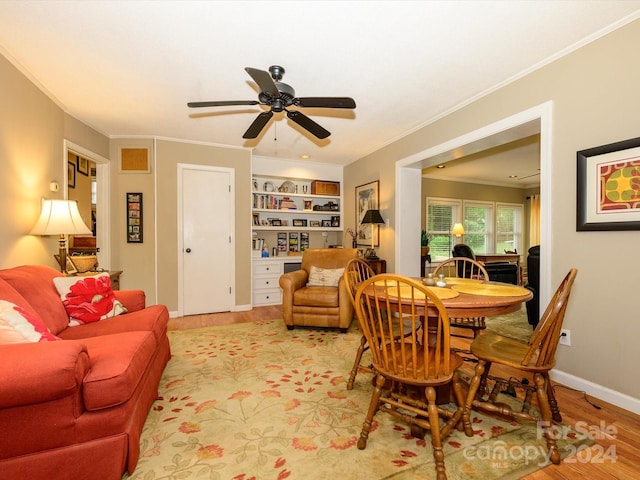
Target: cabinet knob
<point x="188" y="250"/>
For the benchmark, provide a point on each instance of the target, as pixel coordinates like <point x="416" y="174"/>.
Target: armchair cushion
<point x="324" y="277"/>
<point x="316" y="296"/>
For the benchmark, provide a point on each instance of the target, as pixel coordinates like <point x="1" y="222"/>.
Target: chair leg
<point x="373" y="408"/>
<point x="471" y="395"/>
<point x="356" y="363"/>
<point x="436" y="441"/>
<point x="545" y="412"/>
<point x="553" y="403"/>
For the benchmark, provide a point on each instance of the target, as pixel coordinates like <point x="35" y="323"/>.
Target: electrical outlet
<point x="565" y="337"/>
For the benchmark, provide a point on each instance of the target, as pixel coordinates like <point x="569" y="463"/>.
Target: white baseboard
<point x="237" y="308"/>
<point x="598" y="391"/>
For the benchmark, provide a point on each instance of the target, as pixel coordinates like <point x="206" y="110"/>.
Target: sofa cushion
<point x="88" y="299"/>
<point x="154" y="319"/>
<point x="118" y="363"/>
<point x="316" y="296"/>
<point x="17" y="325"/>
<point x="35" y="284"/>
<point x="324" y="277"/>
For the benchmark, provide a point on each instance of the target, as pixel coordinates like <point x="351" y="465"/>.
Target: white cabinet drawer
<point x="266" y="282"/>
<point x="266" y="268"/>
<point x="267" y="297"/>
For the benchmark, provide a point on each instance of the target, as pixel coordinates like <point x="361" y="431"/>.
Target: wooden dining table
<point x="466" y="298"/>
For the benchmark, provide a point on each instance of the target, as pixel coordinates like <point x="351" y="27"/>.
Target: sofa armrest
<point x="290" y="282"/>
<point x="40" y="372"/>
<point x="133" y="300"/>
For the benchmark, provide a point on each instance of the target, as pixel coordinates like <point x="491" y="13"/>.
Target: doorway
<point x="409" y="185"/>
<point x="205" y="230"/>
<point x="96" y="173"/>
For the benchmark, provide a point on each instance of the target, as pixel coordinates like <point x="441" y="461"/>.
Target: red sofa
<point x="74" y="409"/>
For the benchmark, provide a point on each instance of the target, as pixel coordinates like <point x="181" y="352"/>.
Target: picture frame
<point x="276" y="222"/>
<point x="307" y="205"/>
<point x="367" y="197"/>
<point x="299" y="222"/>
<point x="71" y="175"/>
<point x="134" y="218"/>
<point x="256" y="219"/>
<point x="335" y="221"/>
<point x="82" y="165"/>
<point x="71" y="268"/>
<point x="608" y="177"/>
<point x="326" y="223"/>
<point x="315" y="223"/>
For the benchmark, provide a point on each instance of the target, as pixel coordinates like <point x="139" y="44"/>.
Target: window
<point x="478" y="226"/>
<point x="442" y="213"/>
<point x="509" y="219"/>
<point x="489" y="227"/>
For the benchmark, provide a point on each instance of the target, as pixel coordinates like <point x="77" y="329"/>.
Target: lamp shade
<point x="457" y="230"/>
<point x="60" y="217"/>
<point x="372" y="217"/>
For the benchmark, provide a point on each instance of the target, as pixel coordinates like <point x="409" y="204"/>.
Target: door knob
<point x="188" y="250"/>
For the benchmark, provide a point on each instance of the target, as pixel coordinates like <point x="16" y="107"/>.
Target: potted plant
<point x="424" y="243"/>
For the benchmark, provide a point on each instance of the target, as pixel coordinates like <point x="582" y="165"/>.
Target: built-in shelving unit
<point x="283" y="204"/>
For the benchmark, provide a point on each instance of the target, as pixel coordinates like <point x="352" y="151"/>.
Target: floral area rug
<point x="512" y="325"/>
<point x="257" y="401"/>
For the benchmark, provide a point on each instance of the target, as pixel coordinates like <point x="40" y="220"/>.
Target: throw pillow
<point x="17" y="325"/>
<point x="324" y="277"/>
<point x="88" y="299"/>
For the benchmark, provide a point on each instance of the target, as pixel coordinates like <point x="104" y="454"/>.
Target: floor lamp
<point x="372" y="217"/>
<point x="60" y="217"/>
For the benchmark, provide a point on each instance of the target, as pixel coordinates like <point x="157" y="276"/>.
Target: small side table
<point x="378" y="266"/>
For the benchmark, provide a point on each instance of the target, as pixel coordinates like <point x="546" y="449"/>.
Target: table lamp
<point x="372" y="217"/>
<point x="60" y="217"/>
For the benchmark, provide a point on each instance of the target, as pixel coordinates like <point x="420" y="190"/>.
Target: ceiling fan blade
<point x="325" y="102"/>
<point x="308" y="124"/>
<point x="264" y="81"/>
<point x="258" y="124"/>
<point x="224" y="103"/>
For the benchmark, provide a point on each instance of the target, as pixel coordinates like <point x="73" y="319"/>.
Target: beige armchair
<point x="325" y="302"/>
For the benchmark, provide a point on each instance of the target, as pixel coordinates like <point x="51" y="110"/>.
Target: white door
<point x="206" y="257"/>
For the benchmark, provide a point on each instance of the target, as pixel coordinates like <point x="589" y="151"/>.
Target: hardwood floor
<point x="615" y="455"/>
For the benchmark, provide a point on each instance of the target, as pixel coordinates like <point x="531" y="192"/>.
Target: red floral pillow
<point x="88" y="299"/>
<point x="17" y="325"/>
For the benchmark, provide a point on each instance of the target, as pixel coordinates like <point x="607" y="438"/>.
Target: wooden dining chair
<point x="536" y="357"/>
<point x="408" y="371"/>
<point x="357" y="271"/>
<point x="463" y="267"/>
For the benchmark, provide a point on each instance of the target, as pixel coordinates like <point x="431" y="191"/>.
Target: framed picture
<point x="335" y="221"/>
<point x="299" y="222"/>
<point x="276" y="222"/>
<point x="256" y="219"/>
<point x="307" y="205"/>
<point x="367" y="197"/>
<point x="134" y="218"/>
<point x="326" y="223"/>
<point x="608" y="193"/>
<point x="314" y="223"/>
<point x="71" y="175"/>
<point x="71" y="268"/>
<point x="83" y="165"/>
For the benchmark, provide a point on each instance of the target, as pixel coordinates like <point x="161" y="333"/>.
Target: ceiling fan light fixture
<point x="278" y="96"/>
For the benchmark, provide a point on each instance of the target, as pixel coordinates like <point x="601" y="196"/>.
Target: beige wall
<point x="168" y="155"/>
<point x="595" y="102"/>
<point x="32" y="129"/>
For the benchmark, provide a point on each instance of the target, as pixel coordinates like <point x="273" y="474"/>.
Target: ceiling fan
<point x="278" y="96"/>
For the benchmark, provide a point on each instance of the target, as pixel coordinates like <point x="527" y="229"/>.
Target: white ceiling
<point x="128" y="68"/>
